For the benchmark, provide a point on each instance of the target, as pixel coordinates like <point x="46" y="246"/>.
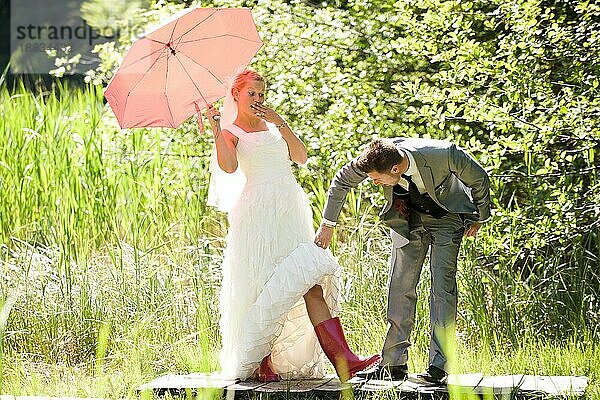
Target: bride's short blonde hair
<point x="245" y="76"/>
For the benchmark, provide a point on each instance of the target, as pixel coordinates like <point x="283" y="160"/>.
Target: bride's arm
<point x="225" y="142"/>
<point x="296" y="148"/>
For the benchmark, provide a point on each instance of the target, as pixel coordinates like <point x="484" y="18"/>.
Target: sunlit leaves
<point x="516" y="83"/>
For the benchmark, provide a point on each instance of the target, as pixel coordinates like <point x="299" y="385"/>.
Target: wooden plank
<point x="417" y="382"/>
<point x="465" y="380"/>
<point x="334" y="385"/>
<point x="377" y="385"/>
<point x="330" y="386"/>
<point x="293" y="386"/>
<point x="499" y="385"/>
<point x="423" y="389"/>
<point x="462" y="385"/>
<point x="190" y="381"/>
<point x="409" y="385"/>
<point x="555" y="385"/>
<point x="245" y="386"/>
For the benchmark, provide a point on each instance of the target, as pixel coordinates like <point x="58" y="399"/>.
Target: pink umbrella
<point x="181" y="66"/>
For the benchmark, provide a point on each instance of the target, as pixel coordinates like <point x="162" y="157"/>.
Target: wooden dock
<point x="471" y="386"/>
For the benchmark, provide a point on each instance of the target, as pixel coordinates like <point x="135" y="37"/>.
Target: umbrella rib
<point x="173" y="31"/>
<point x="194" y="83"/>
<point x="165" y="92"/>
<point x="153" y="40"/>
<point x="142" y="58"/>
<point x="178" y="40"/>
<point x="221" y="36"/>
<point x="138" y="82"/>
<point x="180" y="37"/>
<point x="194" y="27"/>
<point x="202" y="66"/>
<point x="145" y="74"/>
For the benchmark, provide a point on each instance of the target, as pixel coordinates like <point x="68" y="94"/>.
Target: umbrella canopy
<point x="182" y="65"/>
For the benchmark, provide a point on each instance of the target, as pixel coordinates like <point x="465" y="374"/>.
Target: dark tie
<point x="412" y="187"/>
<point x="408" y="179"/>
<point x="422" y="202"/>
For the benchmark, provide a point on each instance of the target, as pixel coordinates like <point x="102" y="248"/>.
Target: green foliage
<point x="110" y="255"/>
<point x="514" y="83"/>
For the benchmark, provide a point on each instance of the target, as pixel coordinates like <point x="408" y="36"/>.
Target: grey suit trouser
<point x="443" y="236"/>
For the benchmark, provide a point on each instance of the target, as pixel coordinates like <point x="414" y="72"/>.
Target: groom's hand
<point x="324" y="236"/>
<point x="472" y="229"/>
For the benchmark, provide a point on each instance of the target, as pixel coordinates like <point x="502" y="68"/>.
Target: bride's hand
<point x="267" y="113"/>
<point x="213" y="116"/>
<point x="324" y="236"/>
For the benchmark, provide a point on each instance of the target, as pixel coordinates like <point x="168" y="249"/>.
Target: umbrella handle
<point x="215" y="117"/>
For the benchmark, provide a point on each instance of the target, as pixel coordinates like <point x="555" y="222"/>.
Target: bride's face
<point x="251" y="93"/>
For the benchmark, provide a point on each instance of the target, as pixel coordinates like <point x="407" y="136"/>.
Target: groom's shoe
<point x="385" y="372"/>
<point x="434" y="375"/>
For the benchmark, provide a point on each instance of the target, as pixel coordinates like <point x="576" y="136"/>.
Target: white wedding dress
<point x="269" y="263"/>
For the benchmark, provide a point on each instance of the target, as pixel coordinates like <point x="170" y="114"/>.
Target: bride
<point x="279" y="295"/>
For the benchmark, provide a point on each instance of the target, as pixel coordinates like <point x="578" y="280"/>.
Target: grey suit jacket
<point x="453" y="179"/>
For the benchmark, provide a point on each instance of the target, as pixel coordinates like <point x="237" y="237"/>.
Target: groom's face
<point x="385" y="178"/>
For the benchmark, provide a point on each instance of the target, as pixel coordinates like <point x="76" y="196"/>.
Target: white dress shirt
<point x="414" y="174"/>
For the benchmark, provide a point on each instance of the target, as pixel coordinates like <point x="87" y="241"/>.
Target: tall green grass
<point x="110" y="263"/>
<point x="104" y="241"/>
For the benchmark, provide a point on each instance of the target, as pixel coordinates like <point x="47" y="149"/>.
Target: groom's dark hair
<point x="380" y="155"/>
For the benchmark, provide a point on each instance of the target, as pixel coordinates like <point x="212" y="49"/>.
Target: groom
<point x="436" y="193"/>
